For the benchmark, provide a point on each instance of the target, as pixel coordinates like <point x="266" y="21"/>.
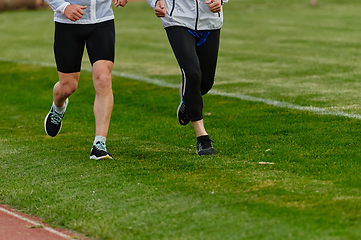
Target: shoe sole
<point x="93" y="157"/>
<point x="180" y="122"/>
<point x="180" y="104"/>
<point x="208" y="151"/>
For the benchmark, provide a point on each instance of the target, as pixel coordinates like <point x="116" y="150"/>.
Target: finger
<point x="78" y="14"/>
<point x="213" y="5"/>
<point x="120" y="3"/>
<point x="75" y="18"/>
<point x="215" y="10"/>
<point x="159" y="13"/>
<point x="160" y="10"/>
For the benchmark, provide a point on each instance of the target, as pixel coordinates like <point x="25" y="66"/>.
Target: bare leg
<point x="199" y="128"/>
<point x="104" y="100"/>
<point x="67" y="84"/>
<point x="204" y="143"/>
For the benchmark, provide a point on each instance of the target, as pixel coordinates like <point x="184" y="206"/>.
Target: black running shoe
<point x="53" y="121"/>
<point x="99" y="151"/>
<point x="205" y="148"/>
<point x="181" y="111"/>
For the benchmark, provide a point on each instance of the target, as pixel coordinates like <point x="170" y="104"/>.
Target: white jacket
<point x="192" y="14"/>
<point x="96" y="11"/>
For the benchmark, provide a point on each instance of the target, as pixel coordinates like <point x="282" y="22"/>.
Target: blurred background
<point x="34" y="4"/>
<point x="21" y="4"/>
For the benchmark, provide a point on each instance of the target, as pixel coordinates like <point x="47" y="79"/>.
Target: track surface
<point x="19" y="226"/>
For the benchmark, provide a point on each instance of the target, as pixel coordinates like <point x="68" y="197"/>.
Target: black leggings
<point x="198" y="66"/>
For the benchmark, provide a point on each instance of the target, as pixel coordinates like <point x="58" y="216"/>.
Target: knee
<point x="69" y="88"/>
<point x="193" y="79"/>
<point x="206" y="86"/>
<point x="195" y="75"/>
<point x="103" y="82"/>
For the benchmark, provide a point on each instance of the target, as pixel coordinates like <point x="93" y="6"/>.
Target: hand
<point x="214" y="6"/>
<point x="160" y="9"/>
<point x="120" y="3"/>
<point x="74" y="12"/>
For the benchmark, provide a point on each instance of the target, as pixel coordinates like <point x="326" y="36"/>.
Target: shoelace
<point x="56" y="117"/>
<point x="205" y="145"/>
<point x="100" y="146"/>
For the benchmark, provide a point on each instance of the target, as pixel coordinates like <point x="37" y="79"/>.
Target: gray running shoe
<point x="53" y="121"/>
<point x="181" y="111"/>
<point x="205" y="148"/>
<point x="99" y="151"/>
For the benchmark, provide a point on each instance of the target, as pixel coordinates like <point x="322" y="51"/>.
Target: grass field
<point x="156" y="187"/>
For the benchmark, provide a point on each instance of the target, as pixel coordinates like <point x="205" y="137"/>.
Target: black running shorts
<point x="70" y="39"/>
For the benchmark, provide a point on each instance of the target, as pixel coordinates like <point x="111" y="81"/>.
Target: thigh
<point x="183" y="44"/>
<point x="69" y="81"/>
<point x="100" y="43"/>
<point x="208" y="54"/>
<point x="68" y="47"/>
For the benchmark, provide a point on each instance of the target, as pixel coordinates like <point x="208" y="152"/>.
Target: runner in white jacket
<point x="96" y="10"/>
<point x="80" y="23"/>
<point x="192" y="14"/>
<point x="193" y="30"/>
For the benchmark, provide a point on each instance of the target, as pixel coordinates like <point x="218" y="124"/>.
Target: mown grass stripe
<point x="162" y="83"/>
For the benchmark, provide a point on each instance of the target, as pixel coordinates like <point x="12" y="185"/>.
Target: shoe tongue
<point x="203" y="139"/>
<point x="101" y="145"/>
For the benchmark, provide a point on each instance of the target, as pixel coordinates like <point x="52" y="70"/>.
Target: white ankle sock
<point x="62" y="108"/>
<point x="99" y="139"/>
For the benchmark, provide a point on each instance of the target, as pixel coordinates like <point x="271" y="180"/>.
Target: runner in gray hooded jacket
<point x="192" y="14"/>
<point x="193" y="30"/>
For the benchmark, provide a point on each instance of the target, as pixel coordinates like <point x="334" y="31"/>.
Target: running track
<point x="19" y="226"/>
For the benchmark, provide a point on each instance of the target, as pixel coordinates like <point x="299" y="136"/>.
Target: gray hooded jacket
<point x="192" y="14"/>
<point x="96" y="11"/>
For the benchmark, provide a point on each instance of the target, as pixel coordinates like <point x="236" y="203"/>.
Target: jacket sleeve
<point x="152" y="3"/>
<point x="57" y="5"/>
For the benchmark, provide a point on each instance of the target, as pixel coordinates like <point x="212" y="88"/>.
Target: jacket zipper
<point x="196" y="25"/>
<point x="93" y="15"/>
<point x="171" y="12"/>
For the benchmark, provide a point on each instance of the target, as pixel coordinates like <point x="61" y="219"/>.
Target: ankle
<point x="204" y="138"/>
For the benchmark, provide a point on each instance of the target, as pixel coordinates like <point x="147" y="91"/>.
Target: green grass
<point x="156" y="187"/>
<point x="278" y="49"/>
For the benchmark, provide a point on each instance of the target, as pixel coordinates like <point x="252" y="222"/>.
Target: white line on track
<point x="162" y="83"/>
<point x="34" y="223"/>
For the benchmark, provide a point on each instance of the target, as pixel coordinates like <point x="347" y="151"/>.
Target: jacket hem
<point x="199" y="28"/>
<point x="83" y="21"/>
